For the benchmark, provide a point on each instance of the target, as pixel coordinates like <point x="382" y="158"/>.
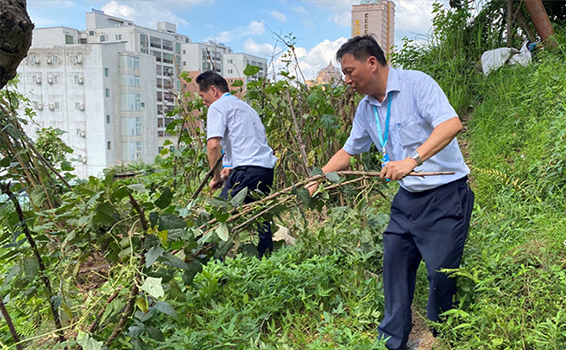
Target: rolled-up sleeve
<point x="215" y="123"/>
<point x="359" y="140"/>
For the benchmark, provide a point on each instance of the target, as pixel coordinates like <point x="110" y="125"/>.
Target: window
<point x="130" y="80"/>
<point x="118" y="37"/>
<point x="108" y="145"/>
<point x="158" y="69"/>
<point x="76" y="78"/>
<point x="366" y="20"/>
<point x="69" y="40"/>
<point x="102" y="38"/>
<point x="143" y="43"/>
<point x="184" y="63"/>
<point x="230" y="61"/>
<point x="184" y="52"/>
<point x="106" y="72"/>
<point x="108" y="119"/>
<point x="230" y="71"/>
<point x="56" y="105"/>
<point x="133" y="62"/>
<point x="107" y="92"/>
<point x="55" y="78"/>
<point x="91" y="33"/>
<point x="32" y="58"/>
<point x="82" y="41"/>
<point x="155" y="42"/>
<point x="54" y="59"/>
<point x="367" y="15"/>
<point x="131" y="102"/>
<point x="77" y="105"/>
<point x="167" y="58"/>
<point x="33" y="78"/>
<point x="138" y="126"/>
<point x="167" y="45"/>
<point x="138" y="150"/>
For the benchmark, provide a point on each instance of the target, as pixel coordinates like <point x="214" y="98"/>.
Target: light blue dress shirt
<point x="418" y="105"/>
<point x="241" y="131"/>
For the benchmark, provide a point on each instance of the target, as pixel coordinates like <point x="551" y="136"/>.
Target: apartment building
<point x="234" y="65"/>
<point x="109" y="87"/>
<point x="375" y="17"/>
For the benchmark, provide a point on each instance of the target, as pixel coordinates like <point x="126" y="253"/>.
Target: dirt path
<point x="421" y="338"/>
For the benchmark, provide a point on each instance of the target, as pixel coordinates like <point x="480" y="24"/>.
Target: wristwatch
<point x="417" y="157"/>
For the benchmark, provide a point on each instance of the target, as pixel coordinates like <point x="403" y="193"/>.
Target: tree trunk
<point x="509" y="13"/>
<point x="15" y="30"/>
<point x="541" y="21"/>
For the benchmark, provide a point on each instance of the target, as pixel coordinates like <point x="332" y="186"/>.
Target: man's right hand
<point x="215" y="184"/>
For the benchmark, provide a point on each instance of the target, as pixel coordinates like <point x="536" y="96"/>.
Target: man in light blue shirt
<point x="235" y="127"/>
<point x="408" y="117"/>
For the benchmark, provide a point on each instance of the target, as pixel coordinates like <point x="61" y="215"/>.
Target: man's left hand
<point x="398" y="169"/>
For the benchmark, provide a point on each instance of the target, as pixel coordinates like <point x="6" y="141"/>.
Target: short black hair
<point x="362" y="47"/>
<point x="209" y="78"/>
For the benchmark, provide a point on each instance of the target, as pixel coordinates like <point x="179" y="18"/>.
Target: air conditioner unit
<point x="82" y="133"/>
<point x="40" y="106"/>
<point x="37" y="61"/>
<point x="52" y="106"/>
<point x="81" y="80"/>
<point x="50" y="80"/>
<point x="38" y="80"/>
<point x="81" y="158"/>
<point x="79" y="60"/>
<point x="49" y="61"/>
<point x="81" y="107"/>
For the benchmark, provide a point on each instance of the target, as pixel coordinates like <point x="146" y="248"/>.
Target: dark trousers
<point x="254" y="178"/>
<point x="430" y="225"/>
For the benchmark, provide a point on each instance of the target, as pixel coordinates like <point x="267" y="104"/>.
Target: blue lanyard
<point x="383" y="139"/>
<point x="227" y="94"/>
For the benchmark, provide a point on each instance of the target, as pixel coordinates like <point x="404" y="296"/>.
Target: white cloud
<point x="412" y="18"/>
<point x="343" y="19"/>
<point x="278" y="16"/>
<point x="318" y="57"/>
<point x="253" y="28"/>
<point x="298" y="9"/>
<point x="123" y="11"/>
<point x="250" y="46"/>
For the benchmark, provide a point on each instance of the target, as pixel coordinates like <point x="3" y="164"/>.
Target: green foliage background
<point x="111" y="242"/>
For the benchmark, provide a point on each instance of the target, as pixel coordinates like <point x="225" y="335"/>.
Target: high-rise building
<point x="101" y="94"/>
<point x="111" y="86"/>
<point x="200" y="57"/>
<point x="375" y="17"/>
<point x="235" y="64"/>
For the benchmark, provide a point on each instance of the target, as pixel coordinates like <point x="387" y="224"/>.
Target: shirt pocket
<point x="411" y="134"/>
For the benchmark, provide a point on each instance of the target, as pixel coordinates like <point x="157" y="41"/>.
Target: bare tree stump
<point x="16" y="31"/>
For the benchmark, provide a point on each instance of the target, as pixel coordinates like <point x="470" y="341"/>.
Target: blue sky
<point x="320" y="26"/>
